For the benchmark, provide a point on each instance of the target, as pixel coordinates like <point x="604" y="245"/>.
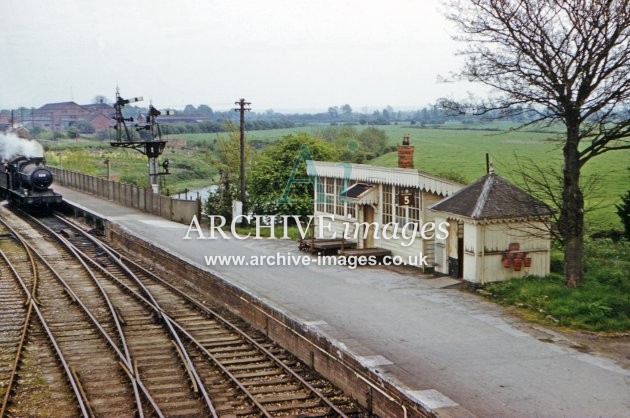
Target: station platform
<point x="446" y="347"/>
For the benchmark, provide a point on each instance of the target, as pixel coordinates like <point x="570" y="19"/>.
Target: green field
<point x="441" y="151"/>
<point x="460" y="152"/>
<point x="453" y="150"/>
<point x="269" y="135"/>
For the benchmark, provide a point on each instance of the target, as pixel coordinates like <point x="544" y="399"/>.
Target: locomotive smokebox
<point x="34" y="175"/>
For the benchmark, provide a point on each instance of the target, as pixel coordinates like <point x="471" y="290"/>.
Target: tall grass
<point x="602" y="303"/>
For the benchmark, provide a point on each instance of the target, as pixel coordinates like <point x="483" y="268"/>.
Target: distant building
<point x="100" y="121"/>
<point x="98" y="108"/>
<point x="5" y="122"/>
<point x="59" y="116"/>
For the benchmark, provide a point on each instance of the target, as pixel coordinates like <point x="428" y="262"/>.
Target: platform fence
<point x="167" y="207"/>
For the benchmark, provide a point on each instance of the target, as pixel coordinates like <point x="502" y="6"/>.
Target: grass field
<point x="453" y="150"/>
<point x="442" y="151"/>
<point x="460" y="152"/>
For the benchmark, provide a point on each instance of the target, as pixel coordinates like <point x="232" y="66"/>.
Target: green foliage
<point x="453" y="176"/>
<point x="85" y="127"/>
<point x="374" y="140"/>
<point x="355" y="146"/>
<point x="227" y="161"/>
<point x="338" y="133"/>
<point x="623" y="210"/>
<point x="57" y="135"/>
<point x="602" y="303"/>
<point x="188" y="168"/>
<point x="38" y="132"/>
<point x="220" y="202"/>
<point x="227" y="156"/>
<point x="106" y="135"/>
<point x="455" y="150"/>
<point x="72" y="132"/>
<point x="78" y="160"/>
<point x="272" y="170"/>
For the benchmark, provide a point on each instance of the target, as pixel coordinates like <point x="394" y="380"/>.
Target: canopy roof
<point x="492" y="197"/>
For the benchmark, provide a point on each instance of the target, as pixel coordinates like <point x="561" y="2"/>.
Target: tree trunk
<point x="571" y="222"/>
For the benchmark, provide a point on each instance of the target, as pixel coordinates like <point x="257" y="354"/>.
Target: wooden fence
<point x="170" y="208"/>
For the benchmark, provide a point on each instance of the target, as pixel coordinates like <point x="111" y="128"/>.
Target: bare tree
<point x="546" y="184"/>
<point x="568" y="62"/>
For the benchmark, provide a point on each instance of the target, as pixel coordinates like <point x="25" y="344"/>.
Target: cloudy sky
<point x="278" y="54"/>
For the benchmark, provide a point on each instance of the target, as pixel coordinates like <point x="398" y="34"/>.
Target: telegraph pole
<point x="242" y="108"/>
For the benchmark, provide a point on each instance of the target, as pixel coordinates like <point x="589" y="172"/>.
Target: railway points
<point x="167" y="354"/>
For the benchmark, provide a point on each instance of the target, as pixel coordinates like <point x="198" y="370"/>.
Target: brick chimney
<point x="405" y="153"/>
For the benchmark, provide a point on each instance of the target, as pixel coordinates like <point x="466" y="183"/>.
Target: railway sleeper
<point x="217" y="351"/>
<point x="246" y="374"/>
<point x="252" y="366"/>
<point x="150" y="373"/>
<point x="281" y="387"/>
<point x="231" y="355"/>
<point x="244" y="360"/>
<point x="297" y="406"/>
<point x="267" y="381"/>
<point x="266" y="398"/>
<point x="220" y="342"/>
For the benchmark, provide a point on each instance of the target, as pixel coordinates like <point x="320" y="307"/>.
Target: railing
<point x="128" y="195"/>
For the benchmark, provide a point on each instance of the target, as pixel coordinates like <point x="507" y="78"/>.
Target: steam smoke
<point x="11" y="146"/>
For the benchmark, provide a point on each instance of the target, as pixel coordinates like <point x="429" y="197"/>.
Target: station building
<point x="496" y="230"/>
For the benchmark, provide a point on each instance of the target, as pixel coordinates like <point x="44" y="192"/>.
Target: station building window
<point x="387" y="204"/>
<point x="329" y="196"/>
<point x="393" y="212"/>
<point x="340" y="206"/>
<point x="320" y="194"/>
<point x="407" y="214"/>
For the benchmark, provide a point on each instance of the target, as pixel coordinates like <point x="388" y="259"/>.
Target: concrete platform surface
<point x="446" y="346"/>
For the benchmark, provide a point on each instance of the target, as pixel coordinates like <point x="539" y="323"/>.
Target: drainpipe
<point x="483" y="252"/>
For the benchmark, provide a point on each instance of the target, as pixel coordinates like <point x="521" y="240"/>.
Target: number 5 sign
<point x="405" y="197"/>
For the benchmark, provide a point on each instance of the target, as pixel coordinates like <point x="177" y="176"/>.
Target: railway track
<point x="134" y="335"/>
<point x="83" y="362"/>
<point x="174" y="356"/>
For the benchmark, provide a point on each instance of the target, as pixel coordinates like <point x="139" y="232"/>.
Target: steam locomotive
<point x="26" y="182"/>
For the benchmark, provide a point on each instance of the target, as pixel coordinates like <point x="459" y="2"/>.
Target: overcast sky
<point x="278" y="54"/>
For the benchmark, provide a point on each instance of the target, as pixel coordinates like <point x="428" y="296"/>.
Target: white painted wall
<point x="496" y="239"/>
<point x="484" y="245"/>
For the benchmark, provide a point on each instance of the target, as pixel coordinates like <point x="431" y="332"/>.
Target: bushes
<point x="602" y="303"/>
<point x="623" y="210"/>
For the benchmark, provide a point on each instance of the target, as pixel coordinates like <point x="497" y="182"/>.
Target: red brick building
<point x="59" y="116"/>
